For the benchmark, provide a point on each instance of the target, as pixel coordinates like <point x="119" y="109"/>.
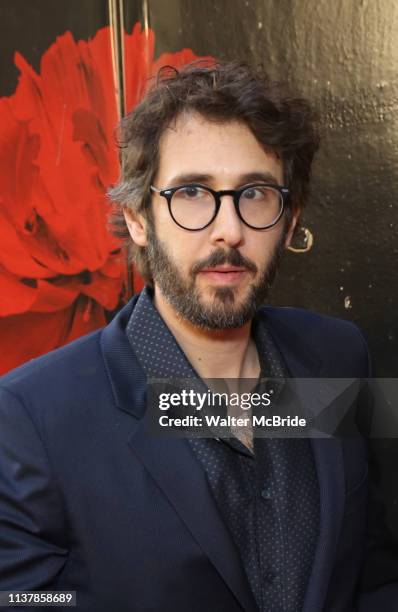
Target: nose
<point x="227" y="228"/>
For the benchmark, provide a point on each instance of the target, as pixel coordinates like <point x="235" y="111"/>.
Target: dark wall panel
<point x="30" y="27"/>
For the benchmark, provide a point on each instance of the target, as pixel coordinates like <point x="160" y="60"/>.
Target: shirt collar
<point x="160" y="355"/>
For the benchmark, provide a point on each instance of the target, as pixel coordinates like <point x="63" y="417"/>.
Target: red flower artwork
<point x="61" y="271"/>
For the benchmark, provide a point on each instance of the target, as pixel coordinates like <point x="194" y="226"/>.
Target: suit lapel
<point x="301" y="364"/>
<point x="171" y="462"/>
<point x="330" y="470"/>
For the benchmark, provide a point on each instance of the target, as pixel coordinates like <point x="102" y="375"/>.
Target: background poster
<point x="68" y="68"/>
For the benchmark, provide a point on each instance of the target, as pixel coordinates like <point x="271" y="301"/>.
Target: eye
<point x="192" y="192"/>
<point x="258" y="193"/>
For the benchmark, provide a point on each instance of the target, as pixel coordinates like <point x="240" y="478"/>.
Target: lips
<point x="225" y="275"/>
<point x="224" y="269"/>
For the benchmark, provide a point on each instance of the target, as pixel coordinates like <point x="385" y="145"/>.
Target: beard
<point x="224" y="312"/>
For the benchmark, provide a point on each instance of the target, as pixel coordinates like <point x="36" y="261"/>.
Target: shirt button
<point x="270" y="577"/>
<point x="266" y="494"/>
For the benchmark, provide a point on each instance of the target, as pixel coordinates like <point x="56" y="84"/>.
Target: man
<point x="215" y="172"/>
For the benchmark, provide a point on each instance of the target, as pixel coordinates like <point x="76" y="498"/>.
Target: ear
<point x="292" y="227"/>
<point x="136" y="224"/>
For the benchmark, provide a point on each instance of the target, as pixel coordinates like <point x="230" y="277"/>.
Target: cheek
<point x="187" y="248"/>
<point x="162" y="220"/>
<point x="184" y="248"/>
<point x="263" y="246"/>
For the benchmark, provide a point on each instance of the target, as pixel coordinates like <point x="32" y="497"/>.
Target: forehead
<point x="193" y="144"/>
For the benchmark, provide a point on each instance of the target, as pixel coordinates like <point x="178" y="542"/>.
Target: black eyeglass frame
<point x="235" y="193"/>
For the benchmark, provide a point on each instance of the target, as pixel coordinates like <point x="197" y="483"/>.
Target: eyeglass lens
<point x="194" y="207"/>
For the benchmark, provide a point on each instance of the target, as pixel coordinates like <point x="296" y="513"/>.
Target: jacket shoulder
<point x="312" y="323"/>
<point x="56" y="371"/>
<point x="308" y="318"/>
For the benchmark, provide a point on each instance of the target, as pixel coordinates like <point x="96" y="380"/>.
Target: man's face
<point x="217" y="277"/>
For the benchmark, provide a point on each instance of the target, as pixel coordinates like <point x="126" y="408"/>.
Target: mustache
<point x="232" y="257"/>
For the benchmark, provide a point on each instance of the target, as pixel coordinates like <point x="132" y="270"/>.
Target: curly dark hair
<point x="222" y="92"/>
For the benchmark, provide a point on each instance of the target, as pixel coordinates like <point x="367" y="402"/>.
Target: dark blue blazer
<point x="90" y="502"/>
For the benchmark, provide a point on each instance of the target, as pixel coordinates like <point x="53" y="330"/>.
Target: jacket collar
<point x="300" y="360"/>
<point x="126" y="377"/>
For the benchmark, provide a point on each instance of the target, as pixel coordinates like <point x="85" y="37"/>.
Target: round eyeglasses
<point x="194" y="207"/>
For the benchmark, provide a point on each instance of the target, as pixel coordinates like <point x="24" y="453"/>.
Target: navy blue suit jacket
<point x="90" y="502"/>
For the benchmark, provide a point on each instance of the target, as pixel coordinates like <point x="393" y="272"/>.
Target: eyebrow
<point x="208" y="179"/>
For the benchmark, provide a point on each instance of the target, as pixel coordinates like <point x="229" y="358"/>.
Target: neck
<point x="224" y="353"/>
